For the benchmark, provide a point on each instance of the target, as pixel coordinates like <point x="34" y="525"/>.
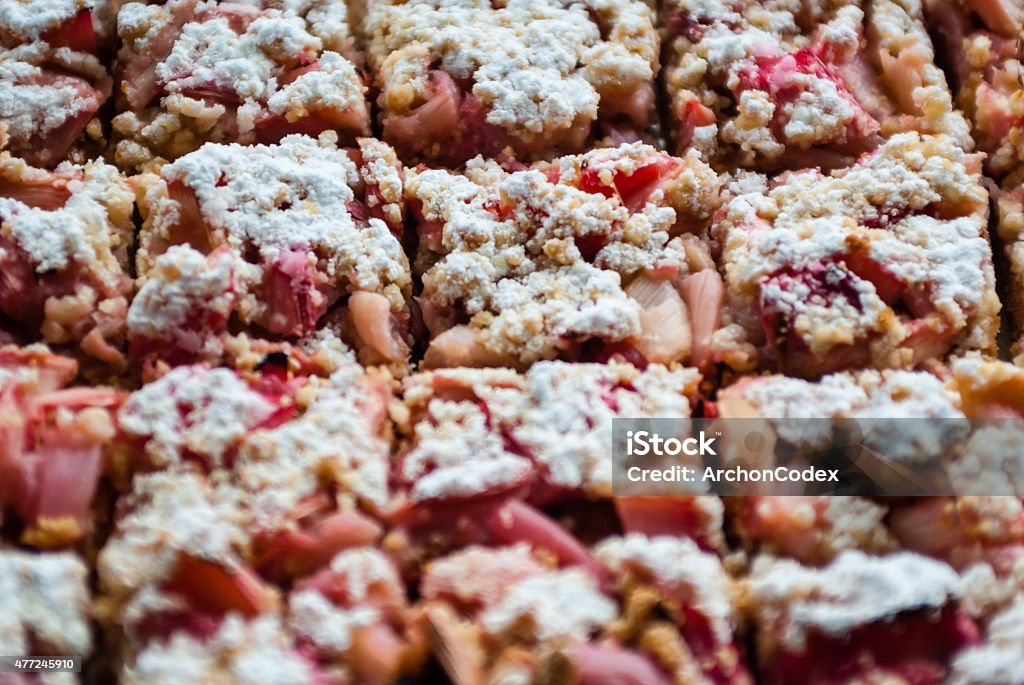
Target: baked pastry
<point x="791" y="85"/>
<point x="886" y="263"/>
<point x="584" y="258"/>
<point x="65" y="240"/>
<point x="195" y="71"/>
<point x="269" y="238"/>
<point x="982" y="41"/>
<point x="526" y="79"/>
<point x="53" y="79"/>
<point x="318" y="339"/>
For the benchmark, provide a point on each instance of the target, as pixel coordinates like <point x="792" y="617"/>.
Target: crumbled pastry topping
<point x="539" y="68"/>
<point x="49" y="93"/>
<point x="536" y="264"/>
<point x="35" y="103"/>
<point x="211" y="53"/>
<point x="992" y="462"/>
<point x="464" y="449"/>
<point x="750" y="85"/>
<point x="329" y="87"/>
<point x="565" y="604"/>
<point x="826" y="253"/>
<point x="459" y="455"/>
<point x="193" y="410"/>
<point x="171" y="513"/>
<point x="65" y="238"/>
<point x="814" y="529"/>
<point x="175" y="511"/>
<point x="44" y="600"/>
<point x="338" y="437"/>
<point x="864" y="394"/>
<point x="183" y="288"/>
<point x="541" y="421"/>
<point x="242" y="651"/>
<point x="790" y="600"/>
<point x="91" y="231"/>
<point x="29" y="19"/>
<point x="327" y="20"/>
<point x="478" y="576"/>
<point x="997" y="660"/>
<point x="291" y="196"/>
<point x="799" y="410"/>
<point x="981" y="43"/>
<point x="330" y="626"/>
<point x="680" y="567"/>
<point x="234" y="73"/>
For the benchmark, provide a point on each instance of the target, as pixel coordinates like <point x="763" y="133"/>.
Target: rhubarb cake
<point x="45" y="609"/>
<point x="247" y="530"/>
<point x="885" y="263"/>
<point x="203" y="71"/>
<point x="506" y="614"/>
<point x="789" y="84"/>
<point x="525" y="79"/>
<point x="982" y="40"/>
<point x="273" y="239"/>
<point x="323" y="324"/>
<point x="65" y="241"/>
<point x="483" y="450"/>
<point x="53" y="79"/>
<point x="907" y="417"/>
<point x="859" y="619"/>
<point x="589" y="257"/>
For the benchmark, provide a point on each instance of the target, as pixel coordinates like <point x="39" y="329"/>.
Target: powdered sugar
<point x="193" y="409"/>
<point x="567" y="443"/>
<point x="336" y="435"/>
<point x="44" y="600"/>
<point x="29" y="19"/>
<point x="287" y="196"/>
<point x="557" y="604"/>
<point x="551" y="66"/>
<point x="798" y="249"/>
<point x="854" y="590"/>
<point x="248" y="652"/>
<point x="521" y="274"/>
<point x="681" y="569"/>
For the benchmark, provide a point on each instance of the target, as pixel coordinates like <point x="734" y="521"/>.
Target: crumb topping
<point x="182" y="283"/>
<point x="826" y="252"/>
<point x="537" y="67"/>
<point x="208" y="71"/>
<point x="557" y="604"/>
<point x="768" y="87"/>
<point x="854" y="590"/>
<point x="682" y="569"/>
<point x="471" y="447"/>
<point x="90" y="231"/>
<point x="518" y="255"/>
<point x="337" y="436"/>
<point x="242" y="651"/>
<point x="997" y="660"/>
<point x="44" y="599"/>
<point x="171" y="513"/>
<point x="29" y="19"/>
<point x="193" y="410"/>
